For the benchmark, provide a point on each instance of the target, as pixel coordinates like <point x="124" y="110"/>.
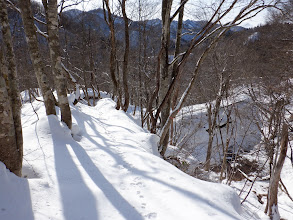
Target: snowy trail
<point x="110" y="172"/>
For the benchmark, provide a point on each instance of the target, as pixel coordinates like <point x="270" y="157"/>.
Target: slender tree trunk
<point x="11" y="85"/>
<point x="164" y="68"/>
<point x="212" y="118"/>
<point x="38" y="65"/>
<point x="165" y="129"/>
<point x="175" y="65"/>
<point x="140" y="99"/>
<point x="113" y="61"/>
<point x="93" y="71"/>
<point x="126" y="57"/>
<point x="9" y="153"/>
<point x="211" y="137"/>
<point x="275" y="178"/>
<point x="54" y="47"/>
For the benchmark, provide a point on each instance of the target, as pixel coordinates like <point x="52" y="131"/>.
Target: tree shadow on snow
<point x="77" y="199"/>
<point x="17" y="203"/>
<point x="81" y="200"/>
<point x="121" y="161"/>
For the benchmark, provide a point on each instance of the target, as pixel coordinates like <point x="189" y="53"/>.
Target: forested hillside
<point x="212" y="98"/>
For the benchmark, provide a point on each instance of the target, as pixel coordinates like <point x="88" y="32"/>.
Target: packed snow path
<point x="108" y="170"/>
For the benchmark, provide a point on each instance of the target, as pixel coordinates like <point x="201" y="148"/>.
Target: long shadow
<point x="120" y="203"/>
<point x="77" y="200"/>
<point x="89" y="119"/>
<point x="190" y="194"/>
<point x="120" y="161"/>
<point x="16" y="205"/>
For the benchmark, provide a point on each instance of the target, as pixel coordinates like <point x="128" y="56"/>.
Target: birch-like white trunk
<point x="55" y="54"/>
<point x="8" y="148"/>
<point x="11" y="125"/>
<point x="38" y="65"/>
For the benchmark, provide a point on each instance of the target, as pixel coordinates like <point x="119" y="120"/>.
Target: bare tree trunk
<point x="9" y="153"/>
<point x="164" y="68"/>
<point x="175" y="65"/>
<point x="54" y="47"/>
<point x="113" y="61"/>
<point x="38" y="65"/>
<point x="126" y="57"/>
<point x="11" y="85"/>
<point x="165" y="129"/>
<point x="225" y="149"/>
<point x="212" y="118"/>
<point x="94" y="84"/>
<point x="275" y="178"/>
<point x="140" y="99"/>
<point x="211" y="137"/>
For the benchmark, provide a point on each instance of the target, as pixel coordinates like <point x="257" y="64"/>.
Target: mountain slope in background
<point x="94" y="19"/>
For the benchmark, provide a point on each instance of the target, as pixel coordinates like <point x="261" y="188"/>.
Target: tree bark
<point x="10" y="77"/>
<point x="165" y="129"/>
<point x="126" y="57"/>
<point x="113" y="61"/>
<point x="38" y="65"/>
<point x="275" y="178"/>
<point x="175" y="65"/>
<point x="165" y="77"/>
<point x="54" y="47"/>
<point x="212" y="118"/>
<point x="9" y="153"/>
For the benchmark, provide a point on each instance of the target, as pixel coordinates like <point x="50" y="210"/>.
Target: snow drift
<point x="107" y="168"/>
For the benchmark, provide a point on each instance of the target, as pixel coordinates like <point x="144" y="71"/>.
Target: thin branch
<point x="41" y="32"/>
<point x="19" y="11"/>
<point x="178" y="10"/>
<point x="285" y="189"/>
<point x="67" y="6"/>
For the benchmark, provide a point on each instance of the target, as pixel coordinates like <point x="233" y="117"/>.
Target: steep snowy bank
<point x="110" y="170"/>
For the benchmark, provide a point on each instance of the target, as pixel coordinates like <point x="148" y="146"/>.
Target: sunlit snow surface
<point x="110" y="170"/>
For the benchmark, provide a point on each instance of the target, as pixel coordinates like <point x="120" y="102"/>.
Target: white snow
<point x="107" y="169"/>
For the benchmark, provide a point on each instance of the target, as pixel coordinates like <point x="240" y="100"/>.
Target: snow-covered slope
<point x="110" y="170"/>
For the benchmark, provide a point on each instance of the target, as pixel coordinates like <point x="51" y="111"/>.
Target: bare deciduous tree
<point x="209" y="31"/>
<point x="38" y="65"/>
<point x="113" y="55"/>
<point x="126" y="56"/>
<point x="54" y="47"/>
<point x="11" y="131"/>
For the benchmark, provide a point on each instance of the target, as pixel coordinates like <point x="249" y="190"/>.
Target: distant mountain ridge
<point x="94" y="19"/>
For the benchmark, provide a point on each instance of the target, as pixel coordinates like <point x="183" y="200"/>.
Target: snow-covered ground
<point x="191" y="147"/>
<point x="191" y="135"/>
<point x="109" y="169"/>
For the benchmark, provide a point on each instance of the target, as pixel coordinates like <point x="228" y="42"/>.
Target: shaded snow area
<point x="189" y="151"/>
<point x="191" y="134"/>
<point x="107" y="169"/>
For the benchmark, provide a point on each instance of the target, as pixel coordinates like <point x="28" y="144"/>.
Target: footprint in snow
<point x="143" y="205"/>
<point x="151" y="215"/>
<point x="139" y="184"/>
